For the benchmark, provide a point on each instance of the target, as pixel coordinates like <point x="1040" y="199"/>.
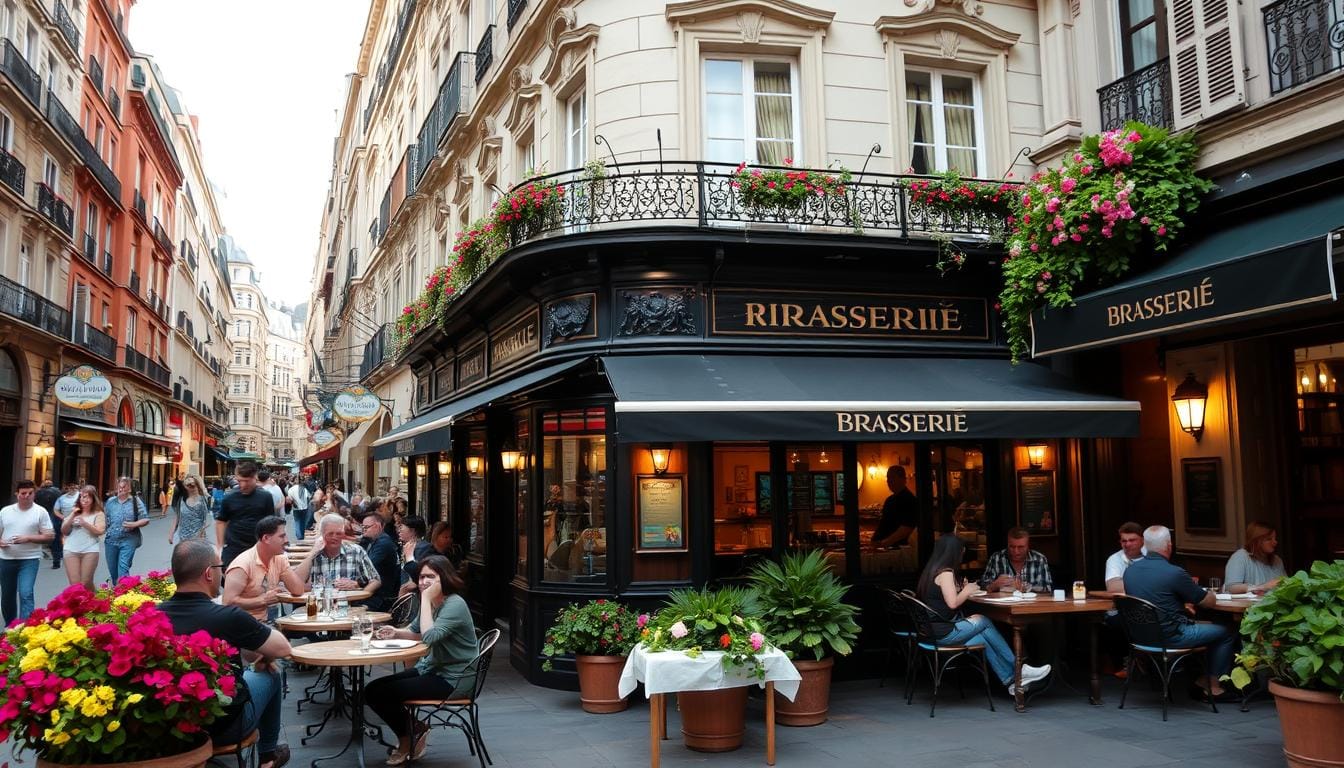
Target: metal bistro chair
<point x="462" y="713"/>
<point x="245" y="751"/>
<point x="900" y="637"/>
<point x="941" y="657"/>
<point x="1143" y="626"/>
<point x="404" y="610"/>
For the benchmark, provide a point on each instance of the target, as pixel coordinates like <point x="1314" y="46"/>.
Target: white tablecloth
<point x="672" y="671"/>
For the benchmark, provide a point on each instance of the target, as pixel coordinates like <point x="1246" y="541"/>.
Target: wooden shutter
<point x="1207" y="72"/>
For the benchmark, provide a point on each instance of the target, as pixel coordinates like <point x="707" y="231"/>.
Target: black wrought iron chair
<point x="1143" y="626"/>
<point x="462" y="713"/>
<point x="244" y="752"/>
<point x="941" y="657"/>
<point x="404" y="610"/>
<point x="900" y="638"/>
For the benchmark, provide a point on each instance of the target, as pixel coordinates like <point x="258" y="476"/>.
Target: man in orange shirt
<point x="253" y="579"/>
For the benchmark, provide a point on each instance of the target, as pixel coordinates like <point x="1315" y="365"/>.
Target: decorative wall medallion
<point x="658" y="312"/>
<point x="969" y="7"/>
<point x="948" y="43"/>
<point x="750" y="23"/>
<point x="568" y="318"/>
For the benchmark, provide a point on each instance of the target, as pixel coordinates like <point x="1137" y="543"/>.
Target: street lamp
<point x="473" y="465"/>
<point x="510" y="458"/>
<point x="1189" y="400"/>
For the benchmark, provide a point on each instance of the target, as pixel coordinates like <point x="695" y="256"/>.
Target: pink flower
<point x="1134" y="137"/>
<point x="678" y="630"/>
<point x="1161" y="230"/>
<point x="757" y="640"/>
<point x="1066" y="186"/>
<point x="642" y="620"/>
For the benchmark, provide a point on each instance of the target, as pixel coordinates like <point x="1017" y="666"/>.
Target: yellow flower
<point x="93" y="708"/>
<point x="55" y="716"/>
<point x="105" y="693"/>
<point x="73" y="697"/>
<point x="56" y="737"/>
<point x="35" y="658"/>
<point x="113" y="726"/>
<point x="135" y="698"/>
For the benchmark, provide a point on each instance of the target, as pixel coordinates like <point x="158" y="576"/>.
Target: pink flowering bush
<point x="99" y="679"/>
<point x="426" y="310"/>
<point x="783" y="188"/>
<point x="529" y="205"/>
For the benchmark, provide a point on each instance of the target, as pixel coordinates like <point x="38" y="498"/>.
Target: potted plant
<point x="803" y="609"/>
<point x="93" y="680"/>
<point x="599" y="634"/>
<point x="1296" y="634"/>
<point x="695" y="621"/>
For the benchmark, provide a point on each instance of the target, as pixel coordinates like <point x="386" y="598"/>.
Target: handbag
<point x="135" y="536"/>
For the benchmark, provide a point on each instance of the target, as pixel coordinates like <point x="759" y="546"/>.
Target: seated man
<point x="1017" y="561"/>
<point x="197" y="571"/>
<point x="1169" y="588"/>
<point x="343" y="564"/>
<point x="253" y="579"/>
<point x="382" y="552"/>
<point x="1131" y="551"/>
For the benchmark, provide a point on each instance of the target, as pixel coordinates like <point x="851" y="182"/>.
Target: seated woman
<point x="1255" y="567"/>
<point x="445" y="626"/>
<point x="943" y="590"/>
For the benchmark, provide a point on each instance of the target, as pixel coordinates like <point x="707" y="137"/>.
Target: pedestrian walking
<point x="300" y="503"/>
<point x="126" y="515"/>
<point x="46" y="498"/>
<point x="238" y="515"/>
<point x="84" y="527"/>
<point x="191" y="507"/>
<point x="24" y="528"/>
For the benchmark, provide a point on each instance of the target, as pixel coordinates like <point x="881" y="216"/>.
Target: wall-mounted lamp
<point x="510" y="458"/>
<point x="660" y="454"/>
<point x="874" y="470"/>
<point x="473" y="465"/>
<point x="1036" y="455"/>
<point x="44" y="449"/>
<point x="421" y="469"/>
<point x="1189" y="400"/>
<point x="445" y="467"/>
<point x="404" y="473"/>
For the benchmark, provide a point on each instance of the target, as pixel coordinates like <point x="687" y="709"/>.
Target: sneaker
<point x="1032" y="674"/>
<point x="277" y="759"/>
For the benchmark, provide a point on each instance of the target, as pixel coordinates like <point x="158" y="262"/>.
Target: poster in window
<point x="763" y="497"/>
<point x="1036" y="502"/>
<point x="661" y="513"/>
<point x="1203" y="483"/>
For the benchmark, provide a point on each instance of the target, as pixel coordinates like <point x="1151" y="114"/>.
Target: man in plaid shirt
<point x="1018" y="560"/>
<point x="343" y="564"/>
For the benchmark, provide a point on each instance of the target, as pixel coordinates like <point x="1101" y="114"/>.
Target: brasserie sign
<point x="83" y="388"/>
<point x="515" y="342"/>
<point x="848" y="315"/>
<point x="355" y="403"/>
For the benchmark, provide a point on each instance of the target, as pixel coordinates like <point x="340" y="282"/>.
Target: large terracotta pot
<point x="1312" y="724"/>
<point x="713" y="721"/>
<point x="195" y="758"/>
<point x="599" y="677"/>
<point x="810" y="705"/>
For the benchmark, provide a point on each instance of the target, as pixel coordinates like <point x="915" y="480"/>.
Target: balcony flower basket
<point x="89" y="680"/>
<point x="529" y="209"/>
<point x="475" y="249"/>
<point x="425" y="311"/>
<point x="785" y="191"/>
<point x="599" y="634"/>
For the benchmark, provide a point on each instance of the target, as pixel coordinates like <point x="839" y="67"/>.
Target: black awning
<point x="430" y="432"/>
<point x="1254" y="267"/>
<point x="330" y="452"/>
<point x="666" y="398"/>
<point x="130" y="435"/>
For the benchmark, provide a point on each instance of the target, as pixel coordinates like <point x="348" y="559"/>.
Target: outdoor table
<point x="667" y="672"/>
<point x="349" y="595"/>
<point x="1018" y="613"/>
<point x="341" y="655"/>
<point x="299" y="623"/>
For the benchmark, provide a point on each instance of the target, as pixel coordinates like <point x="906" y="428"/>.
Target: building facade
<point x="249" y="387"/>
<point x="286" y="369"/>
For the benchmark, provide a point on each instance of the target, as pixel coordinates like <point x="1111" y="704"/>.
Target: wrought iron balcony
<point x="384" y="213"/>
<point x="1305" y="40"/>
<point x="408" y="162"/>
<point x="69" y="129"/>
<point x="18" y="70"/>
<point x="55" y="209"/>
<point x="141" y="363"/>
<point x="157" y="304"/>
<point x="12" y="172"/>
<point x="25" y="304"/>
<point x="454" y="99"/>
<point x="161" y="235"/>
<point x="67" y="25"/>
<point x="90" y="251"/>
<point x="140" y="205"/>
<point x="96" y="72"/>
<point x="95" y="341"/>
<point x="485" y="53"/>
<point x="516" y="8"/>
<point x="134" y="284"/>
<point x="376" y="351"/>
<point x="1143" y="95"/>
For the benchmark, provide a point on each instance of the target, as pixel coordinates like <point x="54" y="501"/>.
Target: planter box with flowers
<point x="599" y="634"/>
<point x="102" y="680"/>
<point x="427" y="309"/>
<point x="529" y="210"/>
<point x="784" y="192"/>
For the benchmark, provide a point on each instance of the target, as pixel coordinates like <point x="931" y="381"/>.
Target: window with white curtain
<point x="576" y="129"/>
<point x="945" y="119"/>
<point x="751" y="111"/>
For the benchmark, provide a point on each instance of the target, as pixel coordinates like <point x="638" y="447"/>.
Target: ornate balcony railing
<point x="1143" y="95"/>
<point x="157" y="304"/>
<point x="25" y="304"/>
<point x="137" y="361"/>
<point x="12" y="172"/>
<point x="485" y="53"/>
<point x="21" y="73"/>
<point x="96" y="72"/>
<point x="1305" y="40"/>
<point x="376" y="351"/>
<point x="702" y="194"/>
<point x="90" y="249"/>
<point x="114" y="100"/>
<point x="55" y="209"/>
<point x="454" y="99"/>
<point x="95" y="341"/>
<point x="67" y="25"/>
<point x="516" y="8"/>
<point x="161" y="235"/>
<point x="69" y="129"/>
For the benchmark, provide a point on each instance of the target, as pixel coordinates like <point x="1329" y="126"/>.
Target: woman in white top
<point x="83" y="530"/>
<point x="1255" y="567"/>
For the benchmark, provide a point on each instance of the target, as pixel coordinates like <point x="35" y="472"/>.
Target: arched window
<point x="10" y="383"/>
<point x="140" y="417"/>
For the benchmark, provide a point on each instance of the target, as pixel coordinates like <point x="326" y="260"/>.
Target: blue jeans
<point x="1220" y="639"/>
<point x="981" y="630"/>
<point x="261" y="713"/>
<point x="17" y="578"/>
<point x="120" y="554"/>
<point x="302" y="519"/>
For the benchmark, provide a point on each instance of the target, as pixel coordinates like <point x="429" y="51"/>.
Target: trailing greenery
<point x="531" y="205"/>
<point x="1296" y="632"/>
<point x="980" y="205"/>
<point x="803" y="608"/>
<point x="782" y="188"/>
<point x="693" y="621"/>
<point x="596" y="628"/>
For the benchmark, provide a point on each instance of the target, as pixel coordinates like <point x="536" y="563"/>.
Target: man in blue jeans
<point x="199" y="573"/>
<point x="1170" y="588"/>
<point x="24" y="528"/>
<point x="125" y="514"/>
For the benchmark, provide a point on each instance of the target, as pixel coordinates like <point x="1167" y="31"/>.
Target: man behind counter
<point x="900" y="513"/>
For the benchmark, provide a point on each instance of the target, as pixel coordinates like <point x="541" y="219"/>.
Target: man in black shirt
<point x="382" y="549"/>
<point x="900" y="512"/>
<point x="199" y="574"/>
<point x="240" y="511"/>
<point x="46" y="498"/>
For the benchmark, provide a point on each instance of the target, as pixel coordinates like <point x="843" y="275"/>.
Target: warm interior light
<point x="421" y="469"/>
<point x="444" y="467"/>
<point x="660" y="455"/>
<point x="404" y="473"/>
<point x="859" y="474"/>
<point x="511" y="458"/>
<point x="473" y="465"/>
<point x="874" y="471"/>
<point x="1036" y="455"/>
<point x="823" y="458"/>
<point x="1189" y="400"/>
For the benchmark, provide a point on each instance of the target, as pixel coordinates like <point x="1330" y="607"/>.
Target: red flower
<point x="725" y="641"/>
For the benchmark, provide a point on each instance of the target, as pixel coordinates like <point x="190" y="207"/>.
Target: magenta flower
<point x="757" y="640"/>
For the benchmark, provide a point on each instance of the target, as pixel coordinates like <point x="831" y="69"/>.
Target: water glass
<point x="1215" y="584"/>
<point x="363" y="629"/>
<point x="342" y="607"/>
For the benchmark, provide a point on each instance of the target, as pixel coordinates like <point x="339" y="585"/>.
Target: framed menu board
<point x="1203" y="483"/>
<point x="661" y="513"/>
<point x="1036" y="502"/>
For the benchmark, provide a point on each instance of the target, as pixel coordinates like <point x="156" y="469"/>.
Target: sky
<point x="266" y="78"/>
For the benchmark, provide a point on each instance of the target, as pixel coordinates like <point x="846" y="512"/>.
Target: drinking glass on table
<point x="1215" y="584"/>
<point x="362" y="627"/>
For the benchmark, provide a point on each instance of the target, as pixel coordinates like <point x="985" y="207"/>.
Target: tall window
<point x="574" y="461"/>
<point x="81" y="307"/>
<point x="91" y="224"/>
<point x="132" y="320"/>
<point x="944" y="114"/>
<point x="751" y="111"/>
<point x="576" y="129"/>
<point x="51" y="174"/>
<point x="49" y="277"/>
<point x="25" y="265"/>
<point x="6" y="132"/>
<point x="1143" y="33"/>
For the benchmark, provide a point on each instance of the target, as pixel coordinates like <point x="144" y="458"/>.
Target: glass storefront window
<point x="743" y="530"/>
<point x="959" y="498"/>
<point x="574" y="534"/>
<point x="814" y="498"/>
<point x="1318" y="533"/>
<point x="422" y="487"/>
<point x="889" y="512"/>
<point x="522" y="495"/>
<point x="445" y="470"/>
<point x="476" y="493"/>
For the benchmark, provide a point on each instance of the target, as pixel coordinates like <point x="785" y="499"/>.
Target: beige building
<point x="249" y="387"/>
<point x="285" y="365"/>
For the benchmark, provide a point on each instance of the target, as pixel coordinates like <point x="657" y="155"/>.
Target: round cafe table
<point x="344" y="655"/>
<point x="349" y="595"/>
<point x="299" y="623"/>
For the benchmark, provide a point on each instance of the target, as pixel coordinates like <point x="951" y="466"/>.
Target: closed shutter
<point x="1207" y="73"/>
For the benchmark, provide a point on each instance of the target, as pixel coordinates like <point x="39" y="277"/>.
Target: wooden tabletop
<point x="1235" y="606"/>
<point x="350" y="595"/>
<point x="299" y="622"/>
<point x="337" y="653"/>
<point x="1043" y="605"/>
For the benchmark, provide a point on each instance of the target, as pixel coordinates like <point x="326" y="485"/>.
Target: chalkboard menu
<point x="1036" y="502"/>
<point x="1203" y="494"/>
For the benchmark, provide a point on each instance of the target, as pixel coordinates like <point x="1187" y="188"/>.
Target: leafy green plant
<point x="694" y="621"/>
<point x="426" y="310"/>
<point x="802" y="605"/>
<point x="596" y="628"/>
<point x="1296" y="632"/>
<point x="530" y="206"/>
<point x="782" y="188"/>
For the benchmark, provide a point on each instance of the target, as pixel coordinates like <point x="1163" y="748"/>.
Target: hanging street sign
<point x="325" y="437"/>
<point x="84" y="388"/>
<point x="357" y="404"/>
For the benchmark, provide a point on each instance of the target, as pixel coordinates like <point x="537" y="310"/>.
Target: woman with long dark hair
<point x="942" y="588"/>
<point x="445" y="626"/>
